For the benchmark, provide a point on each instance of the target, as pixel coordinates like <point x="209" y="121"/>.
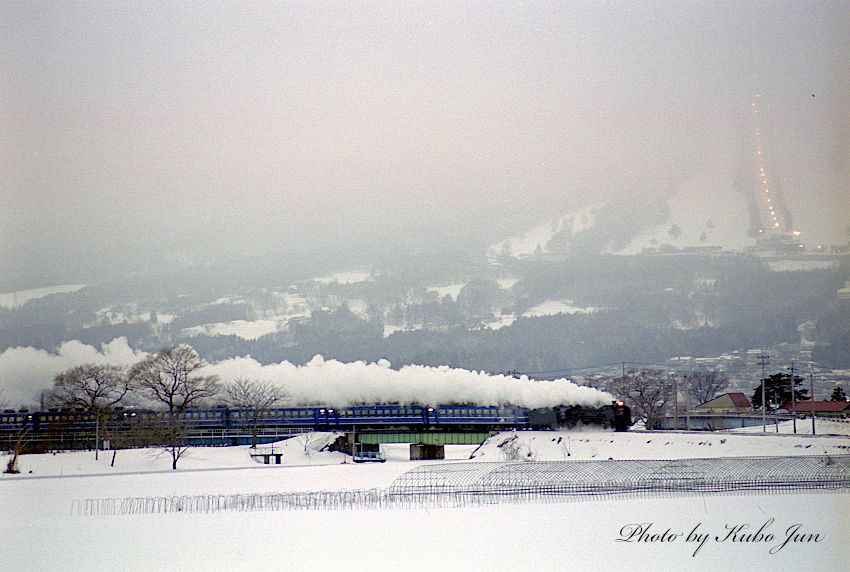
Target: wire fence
<point x="456" y="485"/>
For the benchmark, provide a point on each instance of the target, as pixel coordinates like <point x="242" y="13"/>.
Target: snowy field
<point x="39" y="532"/>
<point x="21" y="297"/>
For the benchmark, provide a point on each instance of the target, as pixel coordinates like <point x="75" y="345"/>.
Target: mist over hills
<point x="571" y="303"/>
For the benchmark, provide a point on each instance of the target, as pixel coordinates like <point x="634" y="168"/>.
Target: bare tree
<point x="17" y="448"/>
<point x="310" y="441"/>
<point x="4" y="401"/>
<point x="647" y="392"/>
<point x="253" y="397"/>
<point x="91" y="387"/>
<point x="171" y="378"/>
<point x="704" y="386"/>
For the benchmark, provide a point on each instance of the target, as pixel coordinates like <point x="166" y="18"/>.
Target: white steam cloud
<point x="25" y="372"/>
<point x="330" y="382"/>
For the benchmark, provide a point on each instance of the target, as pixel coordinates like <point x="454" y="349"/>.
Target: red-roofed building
<point x="821" y="408"/>
<point x="726" y="403"/>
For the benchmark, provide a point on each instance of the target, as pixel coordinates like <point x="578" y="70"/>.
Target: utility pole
<point x="675" y="401"/>
<point x="687" y="404"/>
<point x="763" y="363"/>
<point x="793" y="399"/>
<point x="812" y="393"/>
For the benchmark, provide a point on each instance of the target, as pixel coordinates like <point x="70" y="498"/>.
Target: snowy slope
<point x="600" y="445"/>
<point x="703" y="211"/>
<point x="706" y="214"/>
<point x="19" y="298"/>
<point x="526" y="243"/>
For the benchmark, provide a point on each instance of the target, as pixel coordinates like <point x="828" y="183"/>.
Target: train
<point x="65" y="429"/>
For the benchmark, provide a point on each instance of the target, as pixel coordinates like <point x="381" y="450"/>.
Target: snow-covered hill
<point x="691" y="217"/>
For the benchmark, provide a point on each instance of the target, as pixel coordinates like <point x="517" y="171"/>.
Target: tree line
<point x="171" y="379"/>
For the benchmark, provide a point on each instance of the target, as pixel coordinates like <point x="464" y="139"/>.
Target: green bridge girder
<point x="425" y="437"/>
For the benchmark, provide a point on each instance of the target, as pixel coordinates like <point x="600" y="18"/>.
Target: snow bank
<point x="331" y="382"/>
<point x="593" y="444"/>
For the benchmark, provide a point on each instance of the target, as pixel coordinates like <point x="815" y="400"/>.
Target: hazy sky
<point x="134" y="133"/>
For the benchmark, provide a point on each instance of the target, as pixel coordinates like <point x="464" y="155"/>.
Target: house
<point x="820" y="408"/>
<point x="726" y="403"/>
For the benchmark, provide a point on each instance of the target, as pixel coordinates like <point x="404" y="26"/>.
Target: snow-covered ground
<point x="553" y="307"/>
<point x="351" y="277"/>
<point x="451" y="290"/>
<point x="803" y="427"/>
<point x="706" y="212"/>
<point x="546" y="308"/>
<point x="19" y="298"/>
<point x="799" y="265"/>
<point x="249" y="330"/>
<point x="526" y="243"/>
<point x="39" y="532"/>
<point x="601" y="445"/>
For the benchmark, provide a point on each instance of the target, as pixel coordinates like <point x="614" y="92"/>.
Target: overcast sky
<point x="147" y="131"/>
